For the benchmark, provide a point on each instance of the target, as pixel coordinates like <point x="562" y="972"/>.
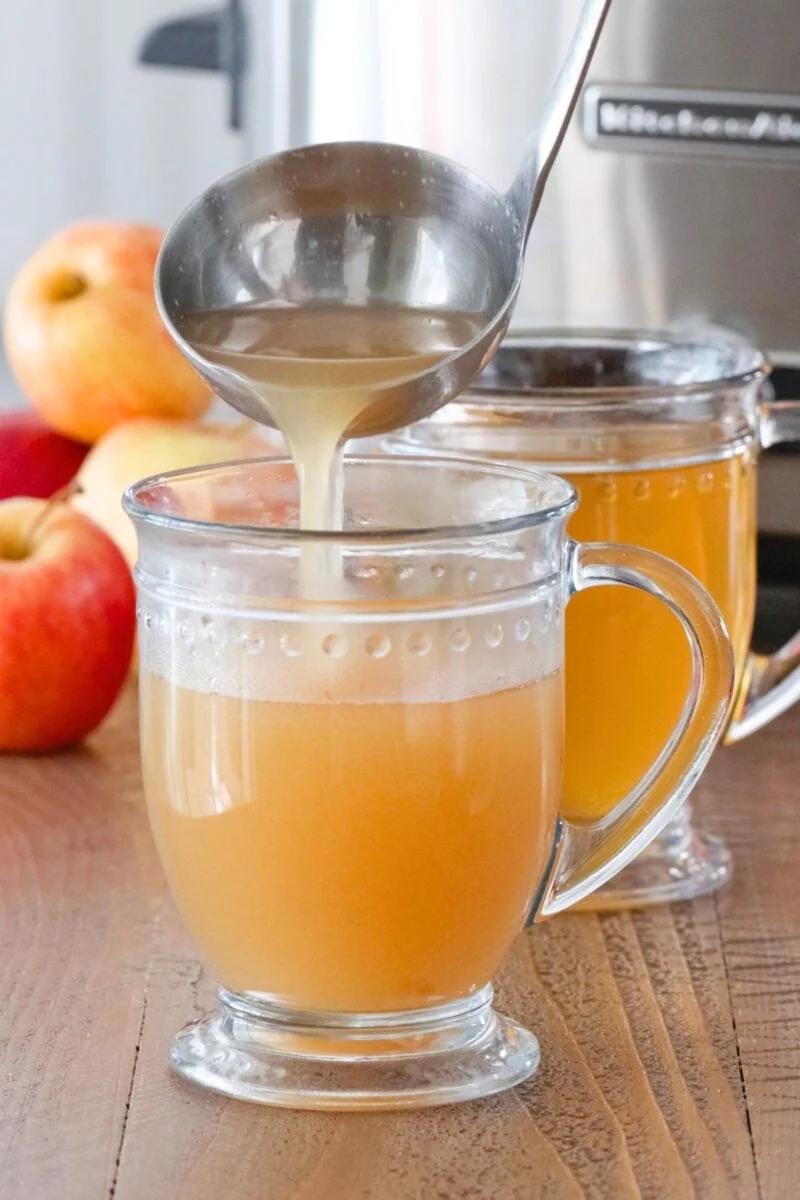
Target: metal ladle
<point x="361" y="223"/>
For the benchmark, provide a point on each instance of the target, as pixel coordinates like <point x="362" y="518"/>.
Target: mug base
<point x="682" y="863"/>
<point x="254" y="1049"/>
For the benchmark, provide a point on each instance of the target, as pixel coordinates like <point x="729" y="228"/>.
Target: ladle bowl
<point x="365" y="224"/>
<point x="348" y="224"/>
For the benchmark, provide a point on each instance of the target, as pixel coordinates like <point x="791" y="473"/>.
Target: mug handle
<point x="587" y="856"/>
<point x="771" y="681"/>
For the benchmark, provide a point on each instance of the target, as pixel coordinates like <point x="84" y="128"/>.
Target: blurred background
<point x="676" y="198"/>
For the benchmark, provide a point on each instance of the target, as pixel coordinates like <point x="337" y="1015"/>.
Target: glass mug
<point x="659" y="433"/>
<point x="352" y="748"/>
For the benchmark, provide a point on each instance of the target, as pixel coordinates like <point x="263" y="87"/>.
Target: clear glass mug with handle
<point x="660" y="434"/>
<point x="352" y="747"/>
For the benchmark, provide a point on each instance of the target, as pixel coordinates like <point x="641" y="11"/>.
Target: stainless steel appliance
<point x="677" y="193"/>
<point x="676" y="196"/>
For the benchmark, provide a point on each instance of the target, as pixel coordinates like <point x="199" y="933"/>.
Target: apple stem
<point x="62" y="496"/>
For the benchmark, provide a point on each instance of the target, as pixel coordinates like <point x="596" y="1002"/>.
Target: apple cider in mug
<point x="353" y="856"/>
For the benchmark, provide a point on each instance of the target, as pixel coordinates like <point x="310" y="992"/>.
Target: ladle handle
<point x="772" y="682"/>
<point x="526" y="191"/>
<point x="588" y="854"/>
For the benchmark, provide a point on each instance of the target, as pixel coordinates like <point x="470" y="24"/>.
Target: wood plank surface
<point x="670" y="1037"/>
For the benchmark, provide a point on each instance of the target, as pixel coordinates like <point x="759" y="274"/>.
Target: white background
<point x="85" y="131"/>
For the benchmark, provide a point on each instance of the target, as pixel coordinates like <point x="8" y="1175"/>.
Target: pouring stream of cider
<point x="317" y="368"/>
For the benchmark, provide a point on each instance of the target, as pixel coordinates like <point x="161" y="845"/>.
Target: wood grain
<point x="670" y="1038"/>
<point x="77" y="882"/>
<point x="760" y="931"/>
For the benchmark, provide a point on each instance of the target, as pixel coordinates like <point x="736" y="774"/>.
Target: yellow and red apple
<point x="84" y="338"/>
<point x="147" y="447"/>
<point x="67" y="620"/>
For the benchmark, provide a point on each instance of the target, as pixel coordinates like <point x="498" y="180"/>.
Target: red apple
<point x="34" y="460"/>
<point x="83" y="336"/>
<point x="67" y="619"/>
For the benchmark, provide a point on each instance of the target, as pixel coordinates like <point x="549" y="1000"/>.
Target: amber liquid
<point x="335" y="852"/>
<point x="628" y="663"/>
<point x="318" y="370"/>
<point x="353" y="857"/>
<point x="627" y="660"/>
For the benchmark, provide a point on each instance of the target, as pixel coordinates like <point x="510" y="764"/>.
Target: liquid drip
<point x="318" y="368"/>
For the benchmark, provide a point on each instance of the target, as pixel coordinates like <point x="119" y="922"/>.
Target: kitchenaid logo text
<point x="673" y="119"/>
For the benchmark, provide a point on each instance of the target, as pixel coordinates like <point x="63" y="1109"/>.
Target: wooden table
<point x="670" y="1038"/>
